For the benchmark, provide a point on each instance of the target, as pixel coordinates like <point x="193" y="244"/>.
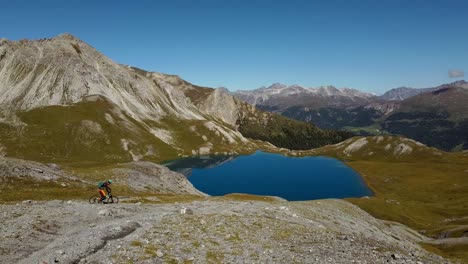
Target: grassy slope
<point x="421" y="195"/>
<point x="188" y="136"/>
<point x="79" y="133"/>
<point x="93" y="133"/>
<point x="425" y="191"/>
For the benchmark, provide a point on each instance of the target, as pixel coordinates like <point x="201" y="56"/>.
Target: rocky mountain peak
<point x="64" y="69"/>
<point x="132" y="112"/>
<point x="67" y="36"/>
<point x="403" y="93"/>
<point x="328" y="87"/>
<point x="277" y="86"/>
<point x="460" y="84"/>
<point x="327" y="90"/>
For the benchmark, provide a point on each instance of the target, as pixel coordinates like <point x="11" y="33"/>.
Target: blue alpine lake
<point x="294" y="179"/>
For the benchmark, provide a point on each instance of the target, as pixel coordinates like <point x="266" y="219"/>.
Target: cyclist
<point x="104" y="185"/>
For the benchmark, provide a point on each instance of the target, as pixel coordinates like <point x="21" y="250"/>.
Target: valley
<point x="71" y="117"/>
<point x="434" y="116"/>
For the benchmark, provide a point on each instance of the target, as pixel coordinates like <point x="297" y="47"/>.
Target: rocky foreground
<point x="211" y="230"/>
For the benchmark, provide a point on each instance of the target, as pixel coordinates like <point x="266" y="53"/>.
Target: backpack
<point x="101" y="185"/>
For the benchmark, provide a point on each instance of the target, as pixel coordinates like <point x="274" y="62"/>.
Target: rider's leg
<point x="102" y="194"/>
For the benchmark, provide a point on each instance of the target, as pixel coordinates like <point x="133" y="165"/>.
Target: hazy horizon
<point x="313" y="87"/>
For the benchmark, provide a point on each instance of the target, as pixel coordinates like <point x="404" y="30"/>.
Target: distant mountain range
<point x="436" y="116"/>
<point x="402" y="93"/>
<point x="283" y="96"/>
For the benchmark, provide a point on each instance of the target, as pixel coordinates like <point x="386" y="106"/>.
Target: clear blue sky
<point x="369" y="45"/>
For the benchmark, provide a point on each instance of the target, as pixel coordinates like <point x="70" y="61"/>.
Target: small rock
<point x="105" y="212"/>
<point x="53" y="166"/>
<point x="396" y="256"/>
<point x="159" y="253"/>
<point x="38" y="170"/>
<point x="189" y="211"/>
<point x="183" y="210"/>
<point x="204" y="150"/>
<point x="69" y="202"/>
<point x="27" y="201"/>
<point x="63" y="184"/>
<point x="138" y="204"/>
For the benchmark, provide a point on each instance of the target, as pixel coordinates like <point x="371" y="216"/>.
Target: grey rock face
<point x="326" y="231"/>
<point x="221" y="105"/>
<point x="139" y="176"/>
<point x="65" y="70"/>
<point x="17" y="168"/>
<point x="143" y="176"/>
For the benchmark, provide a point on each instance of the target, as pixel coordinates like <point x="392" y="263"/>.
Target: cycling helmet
<point x="109" y="181"/>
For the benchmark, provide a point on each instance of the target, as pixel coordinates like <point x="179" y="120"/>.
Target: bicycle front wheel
<point x="113" y="199"/>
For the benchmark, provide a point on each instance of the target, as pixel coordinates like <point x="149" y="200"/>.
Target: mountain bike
<point x="109" y="199"/>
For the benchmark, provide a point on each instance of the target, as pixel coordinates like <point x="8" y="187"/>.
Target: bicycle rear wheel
<point x="94" y="199"/>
